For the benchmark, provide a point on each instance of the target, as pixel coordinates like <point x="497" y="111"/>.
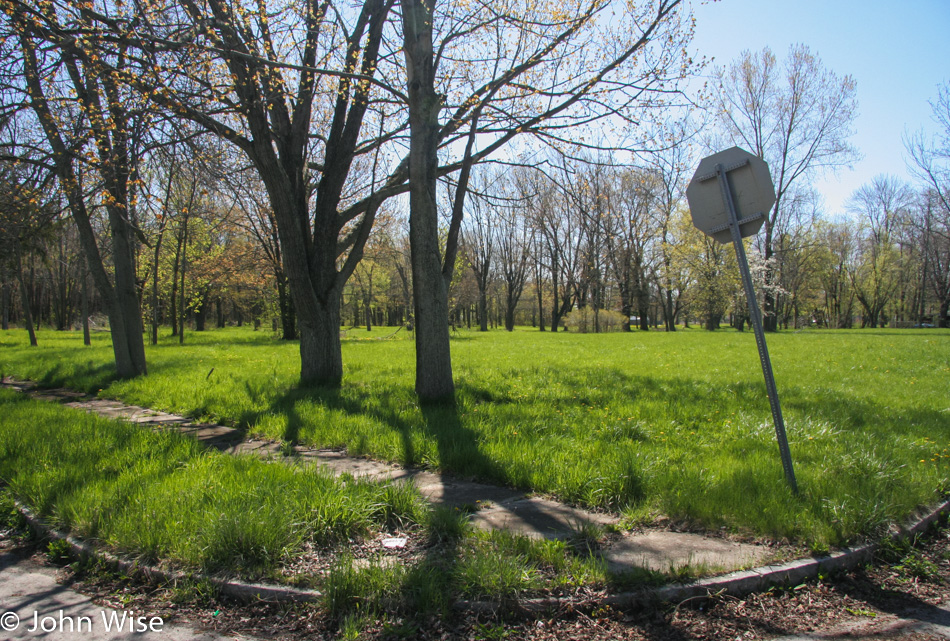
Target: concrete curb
<point x="150" y="574"/>
<point x="735" y="584"/>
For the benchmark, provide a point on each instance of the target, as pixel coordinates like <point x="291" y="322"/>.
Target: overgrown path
<point x="495" y="507"/>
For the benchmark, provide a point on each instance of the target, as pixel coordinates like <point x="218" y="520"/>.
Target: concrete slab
<point x="339" y="463"/>
<point x="444" y="490"/>
<point x="665" y="551"/>
<point x="539" y="518"/>
<point x="263" y="449"/>
<point x="34" y="606"/>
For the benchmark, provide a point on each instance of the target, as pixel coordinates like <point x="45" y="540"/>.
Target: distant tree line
<point x="308" y="166"/>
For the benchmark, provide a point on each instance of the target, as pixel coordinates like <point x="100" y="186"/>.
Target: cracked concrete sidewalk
<point x="500" y="508"/>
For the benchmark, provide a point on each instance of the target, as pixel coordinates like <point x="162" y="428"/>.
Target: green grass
<point x="647" y="424"/>
<point x="162" y="498"/>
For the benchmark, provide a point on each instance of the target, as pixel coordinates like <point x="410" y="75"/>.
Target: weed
<point x="491" y="631"/>
<point x="59" y="551"/>
<point x="892" y="549"/>
<point x="920" y="567"/>
<point x="585" y="538"/>
<point x="10" y="517"/>
<point x="401" y="629"/>
<point x="819" y="548"/>
<point x="352" y="587"/>
<point x="351" y="626"/>
<point x="193" y="592"/>
<point x="446" y="524"/>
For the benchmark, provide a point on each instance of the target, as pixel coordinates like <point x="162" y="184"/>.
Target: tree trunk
<point x="5" y="306"/>
<point x="626" y="308"/>
<point x="321" y="361"/>
<point x="182" y="309"/>
<point x="155" y="263"/>
<point x="510" y="305"/>
<point x="86" y="338"/>
<point x="175" y="266"/>
<point x="25" y="299"/>
<point x="482" y="307"/>
<point x="430" y="296"/>
<point x="668" y="313"/>
<point x="643" y="303"/>
<point x="126" y="319"/>
<point x="201" y="313"/>
<point x="540" y="304"/>
<point x="288" y="319"/>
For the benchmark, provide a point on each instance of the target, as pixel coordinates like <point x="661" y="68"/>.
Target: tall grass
<point x="161" y="496"/>
<point x="646" y="423"/>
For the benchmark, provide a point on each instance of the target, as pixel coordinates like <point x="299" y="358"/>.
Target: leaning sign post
<point x="729" y="197"/>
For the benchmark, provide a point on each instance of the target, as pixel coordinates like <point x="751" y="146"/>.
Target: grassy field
<point x="647" y="424"/>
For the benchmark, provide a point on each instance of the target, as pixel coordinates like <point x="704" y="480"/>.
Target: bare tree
<point x="559" y="228"/>
<point x="513" y="256"/>
<point x="671" y="168"/>
<point x="797" y="116"/>
<point x="91" y="130"/>
<point x="630" y="227"/>
<point x="930" y="163"/>
<point x="881" y="206"/>
<point x="478" y="246"/>
<point x="538" y="76"/>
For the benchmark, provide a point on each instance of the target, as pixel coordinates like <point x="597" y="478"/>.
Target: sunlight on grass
<point x="642" y="423"/>
<point x="161" y="498"/>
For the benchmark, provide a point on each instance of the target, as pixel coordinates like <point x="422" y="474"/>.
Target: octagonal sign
<point x="752" y="192"/>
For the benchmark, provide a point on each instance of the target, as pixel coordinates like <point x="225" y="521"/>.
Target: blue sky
<point x="898" y="53"/>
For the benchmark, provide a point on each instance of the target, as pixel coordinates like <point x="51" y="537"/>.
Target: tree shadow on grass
<point x="456" y="445"/>
<point x="89" y="376"/>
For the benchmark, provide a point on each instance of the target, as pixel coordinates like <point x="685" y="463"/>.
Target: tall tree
<point x="430" y="276"/>
<point x="26" y="215"/>
<point x="92" y="130"/>
<point x="478" y="245"/>
<point x="289" y="85"/>
<point x="513" y="259"/>
<point x="307" y="89"/>
<point x="880" y="207"/>
<point x="930" y="163"/>
<point x="670" y="167"/>
<point x="797" y="116"/>
<point x="631" y="227"/>
<point x="534" y="78"/>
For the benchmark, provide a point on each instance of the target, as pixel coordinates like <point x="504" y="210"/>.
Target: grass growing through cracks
<point x="643" y="423"/>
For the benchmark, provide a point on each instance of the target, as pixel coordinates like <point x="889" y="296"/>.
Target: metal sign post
<point x="756" y="193"/>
